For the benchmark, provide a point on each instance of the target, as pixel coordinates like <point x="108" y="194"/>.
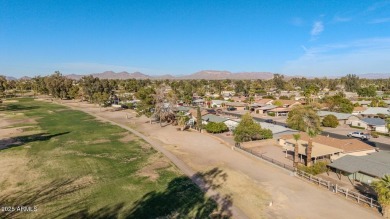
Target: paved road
<point x="372" y="142"/>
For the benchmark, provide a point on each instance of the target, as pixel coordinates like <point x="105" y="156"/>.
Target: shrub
<point x="271" y="113"/>
<point x="330" y="121"/>
<point x="374" y="134"/>
<point x="216" y="127"/>
<point x="317" y="168"/>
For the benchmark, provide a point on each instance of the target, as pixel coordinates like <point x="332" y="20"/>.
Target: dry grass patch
<point x="128" y="138"/>
<point x="98" y="141"/>
<point x="155" y="162"/>
<point x="245" y="192"/>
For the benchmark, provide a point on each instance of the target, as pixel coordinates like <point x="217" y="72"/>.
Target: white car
<point x="360" y="135"/>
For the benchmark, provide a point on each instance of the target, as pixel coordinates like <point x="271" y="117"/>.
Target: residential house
<point x="365" y="169"/>
<point x="230" y="123"/>
<point x="218" y="103"/>
<point x="199" y="102"/>
<point x="363" y="103"/>
<point x="287" y="103"/>
<point x="264" y="101"/>
<point x="238" y="105"/>
<point x="357" y="110"/>
<point x="280" y="111"/>
<point x="375" y="112"/>
<point x="238" y="99"/>
<point x="372" y="124"/>
<point x="265" y="109"/>
<point x="343" y="118"/>
<point x="327" y="147"/>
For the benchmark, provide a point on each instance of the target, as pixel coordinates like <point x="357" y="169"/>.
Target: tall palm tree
<point x="296" y="149"/>
<point x="382" y="188"/>
<point x="304" y="118"/>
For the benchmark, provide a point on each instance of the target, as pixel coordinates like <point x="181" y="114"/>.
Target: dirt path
<point x="192" y="151"/>
<point x="236" y="212"/>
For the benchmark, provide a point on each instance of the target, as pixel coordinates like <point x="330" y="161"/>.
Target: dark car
<point x="270" y="121"/>
<point x="231" y="108"/>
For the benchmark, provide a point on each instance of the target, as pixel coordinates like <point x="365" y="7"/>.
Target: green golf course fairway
<point x="67" y="164"/>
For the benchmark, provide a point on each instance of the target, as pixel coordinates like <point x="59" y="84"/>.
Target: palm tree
<point x="304" y="118"/>
<point x="382" y="188"/>
<point x="296" y="151"/>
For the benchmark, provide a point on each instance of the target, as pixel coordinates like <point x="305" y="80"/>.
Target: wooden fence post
<point x="336" y="188"/>
<point x="346" y="194"/>
<point x="358" y="198"/>
<point x="371" y="203"/>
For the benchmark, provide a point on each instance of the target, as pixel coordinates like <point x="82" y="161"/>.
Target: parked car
<point x="360" y="135"/>
<point x="270" y="121"/>
<point x="231" y="109"/>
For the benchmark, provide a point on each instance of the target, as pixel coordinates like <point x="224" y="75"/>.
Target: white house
<point x="372" y="124"/>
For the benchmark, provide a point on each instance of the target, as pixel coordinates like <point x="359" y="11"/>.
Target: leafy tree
<point x="351" y="82"/>
<point x="216" y="127"/>
<point x="147" y="101"/>
<point x="367" y="91"/>
<point x="182" y="120"/>
<point x="296" y="149"/>
<point x="378" y="103"/>
<point x="3" y="85"/>
<point x="198" y="119"/>
<point x="339" y="104"/>
<point x="382" y="188"/>
<point x="330" y="121"/>
<point x="304" y="118"/>
<point x="248" y="130"/>
<point x="278" y="103"/>
<point x="279" y="82"/>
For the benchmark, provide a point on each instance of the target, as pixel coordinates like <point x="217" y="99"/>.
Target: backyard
<point x="59" y="162"/>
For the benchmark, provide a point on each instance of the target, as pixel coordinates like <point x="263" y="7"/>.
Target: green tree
<point x="330" y="121"/>
<point x="216" y="127"/>
<point x="182" y="120"/>
<point x="198" y="119"/>
<point x="338" y="103"/>
<point x="351" y="82"/>
<point x="147" y="101"/>
<point x="248" y="130"/>
<point x="304" y="118"/>
<point x="382" y="188"/>
<point x="296" y="149"/>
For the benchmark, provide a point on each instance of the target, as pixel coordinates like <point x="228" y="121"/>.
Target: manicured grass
<point x="77" y="167"/>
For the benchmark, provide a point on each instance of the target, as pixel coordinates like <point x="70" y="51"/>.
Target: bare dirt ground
<point x="257" y="188"/>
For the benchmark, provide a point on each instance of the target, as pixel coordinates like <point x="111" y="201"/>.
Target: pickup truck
<point x="360" y="135"/>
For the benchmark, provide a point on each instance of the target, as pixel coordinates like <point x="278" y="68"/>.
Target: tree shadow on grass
<point x="17" y="107"/>
<point x="21" y="140"/>
<point x="181" y="199"/>
<point x="38" y="196"/>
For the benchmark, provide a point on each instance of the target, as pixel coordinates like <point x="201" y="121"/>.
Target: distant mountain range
<point x="205" y="74"/>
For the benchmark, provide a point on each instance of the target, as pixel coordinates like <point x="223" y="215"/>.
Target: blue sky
<point x="300" y="37"/>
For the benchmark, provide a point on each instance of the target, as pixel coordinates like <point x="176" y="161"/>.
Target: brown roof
<point x="238" y="99"/>
<point x="263" y="101"/>
<point x="359" y="108"/>
<point x="280" y="109"/>
<point x="347" y="145"/>
<point x="287" y="102"/>
<point x="194" y="110"/>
